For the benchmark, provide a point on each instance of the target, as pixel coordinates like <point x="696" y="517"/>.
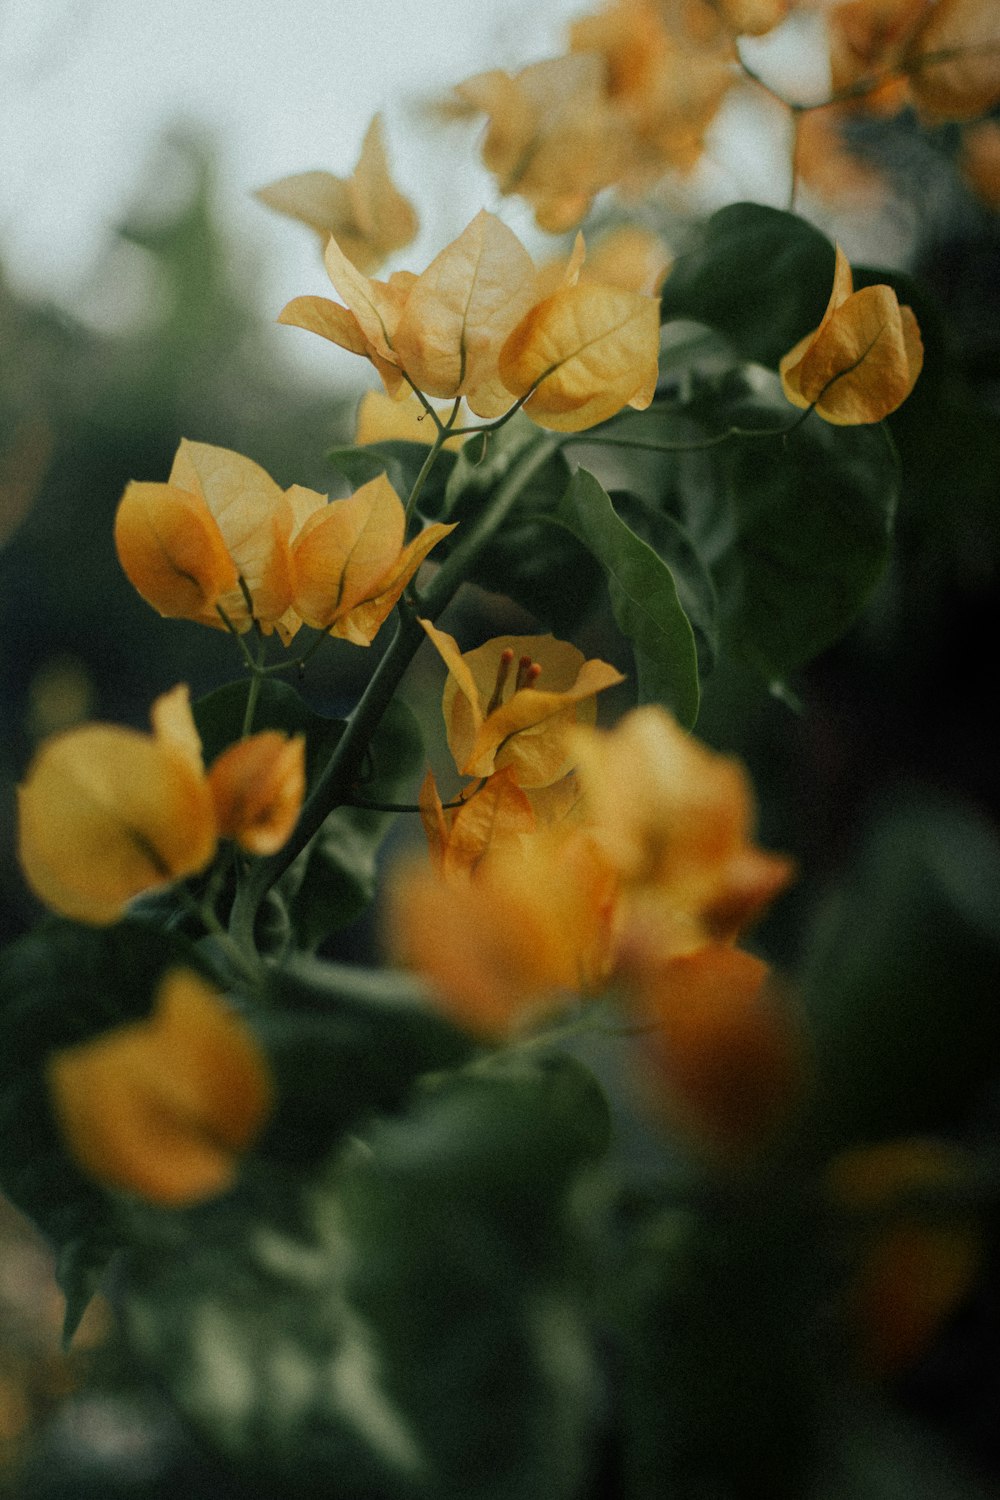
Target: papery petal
<point x="435" y="822"/>
<point x="106" y="813"/>
<point x="174" y="726"/>
<point x="255" y="520"/>
<point x="362" y="623"/>
<point x="463" y="719"/>
<point x="461" y="309"/>
<point x="257" y="786"/>
<point x="375" y="304"/>
<point x="629" y="257"/>
<point x="345" y="549"/>
<point x="161" y="1107"/>
<point x="173" y="552"/>
<point x="498" y="814"/>
<point x="728" y="1067"/>
<point x="587" y="351"/>
<point x="862" y="362"/>
<point x="366" y="212"/>
<point x="381" y="420"/>
<point x="527" y="732"/>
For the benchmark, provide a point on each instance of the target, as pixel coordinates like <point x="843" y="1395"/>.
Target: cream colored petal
<point x="318" y="199"/>
<point x="496" y="816"/>
<point x="584" y="353"/>
<point x="461" y="309"/>
<point x="386" y="220"/>
<point x="966" y="83"/>
<point x="255" y="520"/>
<point x="344" y="550"/>
<point x="375" y="308"/>
<point x="362" y="623"/>
<point x="174" y="726"/>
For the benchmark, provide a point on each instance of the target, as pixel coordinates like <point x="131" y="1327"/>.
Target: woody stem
<point x="333" y="786"/>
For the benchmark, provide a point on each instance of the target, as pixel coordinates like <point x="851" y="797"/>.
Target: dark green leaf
<point x="219" y="719"/>
<point x="643" y="595"/>
<point x="671" y="543"/>
<point x="758" y="275"/>
<point x="374" y="1332"/>
<point x="796" y="529"/>
<point x="344" y="1043"/>
<point x="81" y="1265"/>
<point x="902" y="976"/>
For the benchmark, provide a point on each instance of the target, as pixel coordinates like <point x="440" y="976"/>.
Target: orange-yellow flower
<point x="528" y="926"/>
<point x="366" y="211"/>
<point x="106" y="812"/>
<point x="676" y="820"/>
<point x="914" y="1270"/>
<point x="163" y="1107"/>
<point x="510" y="702"/>
<point x="222" y="542"/>
<point x="478" y="323"/>
<point x="862" y="361"/>
<point x="653" y="863"/>
<point x="382" y="420"/>
<point x="726" y="1063"/>
<point x="187" y="544"/>
<point x="551" y="137"/>
<point x="350" y="563"/>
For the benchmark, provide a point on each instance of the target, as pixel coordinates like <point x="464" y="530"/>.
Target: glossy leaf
<point x="643" y="594"/>
<point x="758" y="275"/>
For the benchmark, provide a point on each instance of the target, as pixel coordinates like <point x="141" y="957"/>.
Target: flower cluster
<point x="223" y="544"/>
<point x="639" y="872"/>
<point x="481" y="323"/>
<point x="106" y="813"/>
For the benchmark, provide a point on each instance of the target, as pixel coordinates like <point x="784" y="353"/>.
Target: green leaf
<point x="372" y="1031"/>
<point x="673" y="545"/>
<point x="334" y="880"/>
<point x="758" y="275"/>
<point x="644" y="598"/>
<point x="81" y="1266"/>
<point x="901" y="978"/>
<point x="219" y="720"/>
<point x="370" y="1329"/>
<point x="796" y="529"/>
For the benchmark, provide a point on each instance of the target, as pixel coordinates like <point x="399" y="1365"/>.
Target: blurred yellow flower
<point x="163" y="1107"/>
<point x="105" y="812"/>
<point x="366" y="212"/>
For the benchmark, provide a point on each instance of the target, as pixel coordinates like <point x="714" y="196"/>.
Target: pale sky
<point x="285" y="86"/>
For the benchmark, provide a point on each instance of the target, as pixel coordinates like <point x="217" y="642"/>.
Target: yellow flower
<point x="862" y="361"/>
<point x="221" y="526"/>
<point x="480" y="324"/>
<point x="106" y="813"/>
<point x="366" y="212"/>
<point x="351" y="565"/>
<point x="510" y="702"/>
<point x="187" y="544"/>
<point x="163" y="1107"/>
<point x="676" y="820"/>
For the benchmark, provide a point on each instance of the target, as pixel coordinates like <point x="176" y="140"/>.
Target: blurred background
<point x="139" y="284"/>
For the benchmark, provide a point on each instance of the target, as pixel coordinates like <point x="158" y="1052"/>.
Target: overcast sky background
<point x="282" y="86"/>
